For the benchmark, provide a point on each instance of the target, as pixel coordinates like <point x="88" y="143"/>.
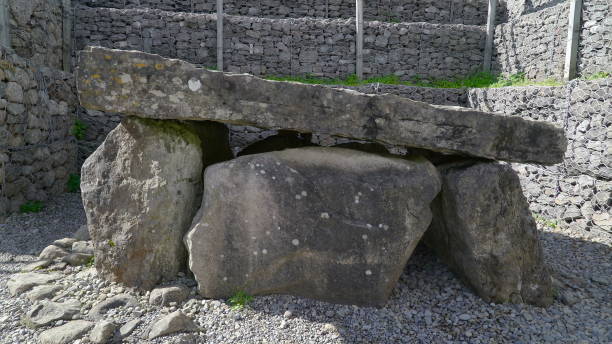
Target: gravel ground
<point x="428" y="306"/>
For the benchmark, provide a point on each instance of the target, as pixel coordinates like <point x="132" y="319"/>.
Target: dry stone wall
<point x="322" y="47"/>
<point x="579" y="191"/>
<point x="532" y="38"/>
<point x="469" y="12"/>
<point x="595" y="47"/>
<point x="36" y="30"/>
<point x="37" y="153"/>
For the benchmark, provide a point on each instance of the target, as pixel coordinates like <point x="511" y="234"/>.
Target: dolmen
<point x="164" y="194"/>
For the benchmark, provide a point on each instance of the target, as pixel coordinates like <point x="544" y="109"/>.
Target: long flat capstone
<point x="150" y="86"/>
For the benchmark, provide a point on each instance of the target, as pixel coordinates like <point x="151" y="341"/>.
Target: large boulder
<point x="326" y="223"/>
<point x="483" y="229"/>
<point x="140" y="190"/>
<point x="151" y="86"/>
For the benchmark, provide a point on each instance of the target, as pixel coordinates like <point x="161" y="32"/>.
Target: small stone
<point x="329" y="328"/>
<point x="167" y="295"/>
<point x="37" y="265"/>
<point x="465" y="317"/>
<point x="42" y="292"/>
<point x="65" y="243"/>
<point x="172" y="323"/>
<point x="21" y="283"/>
<point x="47" y="312"/>
<point x="122" y="300"/>
<point x="53" y="252"/>
<point x="129" y="327"/>
<point x="65" y="334"/>
<point x="77" y="259"/>
<point x="283" y="324"/>
<point x="103" y="332"/>
<point x="83" y="247"/>
<point x="287" y="315"/>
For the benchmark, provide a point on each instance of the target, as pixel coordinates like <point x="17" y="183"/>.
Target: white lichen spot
<point x="255" y="252"/>
<point x="295" y="242"/>
<point x="194" y="84"/>
<point x="205" y="224"/>
<point x="368" y="272"/>
<point x="277" y="163"/>
<point x="298" y="196"/>
<point x="268" y="233"/>
<point x="264" y="251"/>
<point x="364" y="237"/>
<point x="225" y="278"/>
<point x="222" y="256"/>
<point x="262" y="172"/>
<point x="254" y="238"/>
<point x="273" y="178"/>
<point x="369" y="226"/>
<point x="304" y="193"/>
<point x="324" y="215"/>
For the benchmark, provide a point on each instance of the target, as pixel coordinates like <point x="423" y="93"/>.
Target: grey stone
<point x="42" y="292"/>
<point x="77" y="259"/>
<point x="48" y="312"/>
<point x="140" y="191"/>
<point x="83" y="247"/>
<point x="20" y="283"/>
<point x="38" y="265"/>
<point x="341" y="222"/>
<point x="129" y="327"/>
<point x="98" y="311"/>
<point x="165" y="295"/>
<point x="483" y="229"/>
<point x="53" y="252"/>
<point x="154" y="87"/>
<point x="65" y="243"/>
<point x="66" y="333"/>
<point x="103" y="332"/>
<point x="14" y="92"/>
<point x="172" y="323"/>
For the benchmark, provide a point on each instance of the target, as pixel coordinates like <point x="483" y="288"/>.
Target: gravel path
<point x="428" y="306"/>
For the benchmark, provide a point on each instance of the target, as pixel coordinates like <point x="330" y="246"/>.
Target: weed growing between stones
<point x="240" y="300"/>
<point x="552" y="224"/>
<point x="600" y="75"/>
<point x="90" y="262"/>
<point x="79" y="128"/>
<point x="31" y="207"/>
<point x="476" y="80"/>
<point x="74" y="183"/>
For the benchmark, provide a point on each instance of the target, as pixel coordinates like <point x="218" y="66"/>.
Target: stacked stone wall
<point x="261" y="46"/>
<point x="532" y="39"/>
<point x="36" y="30"/>
<point x="595" y="47"/>
<point x="579" y="191"/>
<point x="37" y="152"/>
<point x="468" y="12"/>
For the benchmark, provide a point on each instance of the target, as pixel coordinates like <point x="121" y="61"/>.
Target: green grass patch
<point x="90" y="262"/>
<point x="31" y="207"/>
<point x="79" y="128"/>
<point x="551" y="224"/>
<point x="74" y="183"/>
<point x="111" y="243"/>
<point x="600" y="75"/>
<point x="476" y="80"/>
<point x="240" y="300"/>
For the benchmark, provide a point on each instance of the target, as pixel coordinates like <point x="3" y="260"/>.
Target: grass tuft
<point x="476" y="80"/>
<point x="74" y="183"/>
<point x="240" y="300"/>
<point x="31" y="207"/>
<point x="79" y="128"/>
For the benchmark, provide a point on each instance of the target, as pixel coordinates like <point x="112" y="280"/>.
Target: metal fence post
<point x="220" y="35"/>
<point x="359" y="39"/>
<point x="5" y="26"/>
<point x="573" y="37"/>
<point x="488" y="52"/>
<point x="67" y="35"/>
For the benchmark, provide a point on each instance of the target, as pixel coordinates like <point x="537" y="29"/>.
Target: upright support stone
<point x="220" y="35"/>
<point x="5" y="36"/>
<point x="488" y="53"/>
<point x="573" y="36"/>
<point x="359" y="39"/>
<point x="67" y="35"/>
